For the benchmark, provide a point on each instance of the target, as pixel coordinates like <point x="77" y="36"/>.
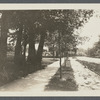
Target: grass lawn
<point x="47" y="61"/>
<point x="67" y="83"/>
<point x="92" y="66"/>
<point x="12" y="72"/>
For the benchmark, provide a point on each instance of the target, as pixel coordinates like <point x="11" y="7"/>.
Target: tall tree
<point x="3" y="38"/>
<point x="18" y="48"/>
<point x="40" y="48"/>
<point x="32" y="52"/>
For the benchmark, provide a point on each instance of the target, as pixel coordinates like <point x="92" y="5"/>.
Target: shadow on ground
<point x="12" y="72"/>
<point x="67" y="83"/>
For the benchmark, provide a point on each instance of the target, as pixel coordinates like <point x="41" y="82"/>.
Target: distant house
<point x="45" y="50"/>
<point x="81" y="52"/>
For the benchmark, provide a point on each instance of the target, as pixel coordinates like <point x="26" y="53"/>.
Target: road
<point x="94" y="60"/>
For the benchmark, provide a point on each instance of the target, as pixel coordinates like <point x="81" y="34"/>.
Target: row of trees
<point x="54" y="28"/>
<point x="95" y="50"/>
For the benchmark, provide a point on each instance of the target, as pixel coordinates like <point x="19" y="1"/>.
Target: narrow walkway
<point x="34" y="82"/>
<point x="86" y="79"/>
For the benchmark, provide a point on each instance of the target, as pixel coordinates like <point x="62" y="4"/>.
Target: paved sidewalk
<point x="85" y="79"/>
<point x="33" y="82"/>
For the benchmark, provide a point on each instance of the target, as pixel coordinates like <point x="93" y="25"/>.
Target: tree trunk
<point x="56" y="54"/>
<point x="3" y="40"/>
<point x="25" y="37"/>
<point x="60" y="55"/>
<point x="24" y="53"/>
<point x="40" y="49"/>
<point x="53" y="52"/>
<point x="31" y="52"/>
<point x="18" y="48"/>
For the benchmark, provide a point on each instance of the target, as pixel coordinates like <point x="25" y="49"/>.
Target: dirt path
<point x="34" y="82"/>
<point x="86" y="79"/>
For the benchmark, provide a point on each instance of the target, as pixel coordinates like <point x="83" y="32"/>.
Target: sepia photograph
<point x="49" y="50"/>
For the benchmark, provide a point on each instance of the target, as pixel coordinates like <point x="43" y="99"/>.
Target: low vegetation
<point x="11" y="71"/>
<point x="92" y="66"/>
<point x="67" y="83"/>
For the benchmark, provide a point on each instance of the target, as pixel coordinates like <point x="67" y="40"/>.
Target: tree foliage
<point x="95" y="50"/>
<point x="44" y="27"/>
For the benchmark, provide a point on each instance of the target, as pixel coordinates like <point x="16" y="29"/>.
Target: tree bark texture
<point x="40" y="48"/>
<point x="31" y="52"/>
<point x="18" y="48"/>
<point x="3" y="40"/>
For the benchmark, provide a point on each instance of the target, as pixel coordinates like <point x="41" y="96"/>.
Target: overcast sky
<point x="91" y="30"/>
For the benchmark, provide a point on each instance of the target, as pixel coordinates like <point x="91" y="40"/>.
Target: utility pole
<point x="60" y="55"/>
